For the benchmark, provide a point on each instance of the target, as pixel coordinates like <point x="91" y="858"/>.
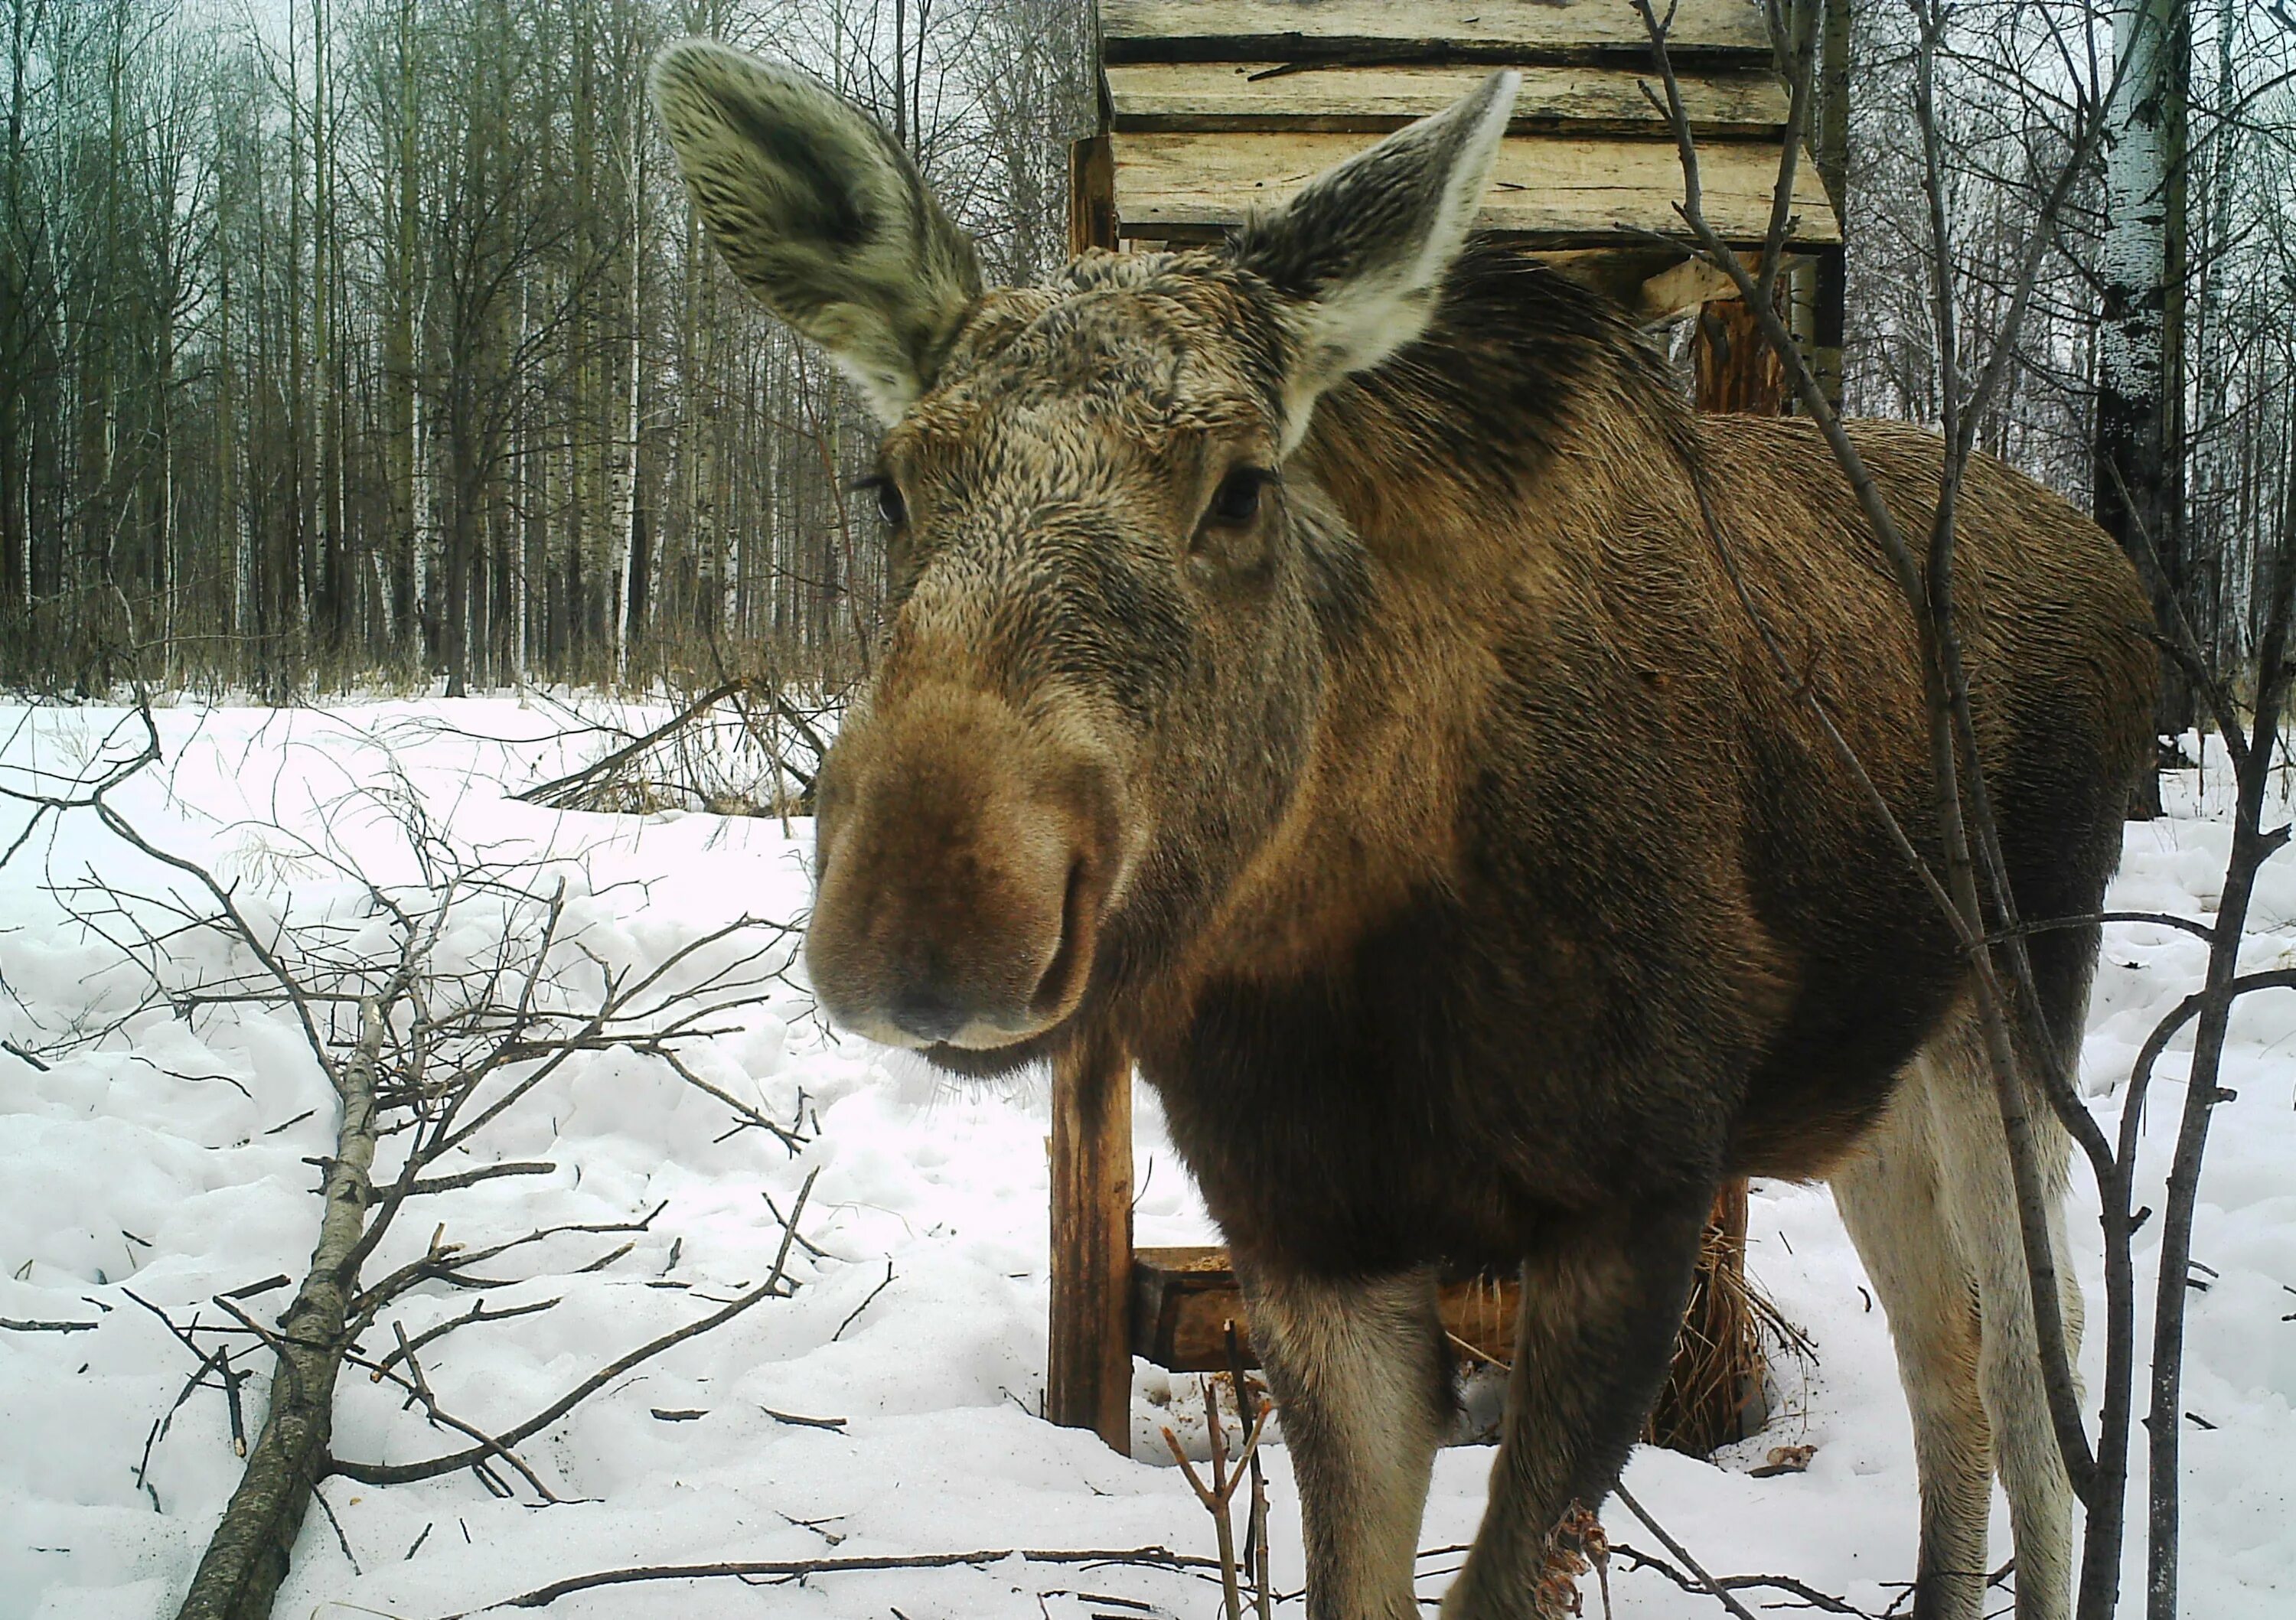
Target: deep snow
<point x="170" y="1159"/>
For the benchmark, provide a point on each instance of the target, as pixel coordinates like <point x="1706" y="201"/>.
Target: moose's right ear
<point x="821" y="215"/>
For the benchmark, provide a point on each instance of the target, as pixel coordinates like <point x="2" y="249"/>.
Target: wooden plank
<point x="1505" y="31"/>
<point x="1088" y="1379"/>
<point x="1183" y="1298"/>
<point x="1160" y="96"/>
<point x="1566" y="191"/>
<point x="1680" y="289"/>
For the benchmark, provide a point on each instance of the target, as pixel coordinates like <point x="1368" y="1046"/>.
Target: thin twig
<point x="1148" y="1558"/>
<point x="1711" y="1585"/>
<point x="864" y="1305"/>
<point x="403" y="1473"/>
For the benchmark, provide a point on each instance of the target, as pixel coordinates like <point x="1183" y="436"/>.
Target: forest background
<point x="369" y="343"/>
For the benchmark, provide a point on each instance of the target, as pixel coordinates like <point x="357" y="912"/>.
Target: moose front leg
<point x="1601" y="1304"/>
<point x="1363" y="1385"/>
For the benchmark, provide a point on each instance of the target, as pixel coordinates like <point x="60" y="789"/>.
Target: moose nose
<point x="927" y="1012"/>
<point x="964" y="860"/>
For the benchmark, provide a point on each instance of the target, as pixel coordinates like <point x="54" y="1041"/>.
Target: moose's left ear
<point x="1364" y="249"/>
<point x="820" y="214"/>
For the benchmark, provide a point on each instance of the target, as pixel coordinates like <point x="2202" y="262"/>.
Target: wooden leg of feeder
<point x="1737" y="372"/>
<point x="1088" y="1378"/>
<point x="1718" y="1355"/>
<point x="1833" y="299"/>
<point x="1705" y="1400"/>
<point x="1092" y="194"/>
<point x="1088" y="1384"/>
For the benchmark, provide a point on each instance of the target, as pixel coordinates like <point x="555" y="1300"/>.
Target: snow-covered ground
<point x="172" y="1159"/>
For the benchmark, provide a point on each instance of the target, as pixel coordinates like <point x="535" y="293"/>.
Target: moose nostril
<point x="927" y="1014"/>
<point x="1052" y="985"/>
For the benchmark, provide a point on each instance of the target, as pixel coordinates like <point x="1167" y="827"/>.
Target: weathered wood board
<point x="1186" y="186"/>
<point x="1089" y="1375"/>
<point x="1183" y="1298"/>
<point x="1520" y="32"/>
<point x="1155" y="97"/>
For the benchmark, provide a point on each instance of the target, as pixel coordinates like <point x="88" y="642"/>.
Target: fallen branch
<point x="247" y="1556"/>
<point x="569" y="792"/>
<point x="441" y="1050"/>
<point x="605" y="783"/>
<point x="431" y="1184"/>
<point x="792" y="1569"/>
<point x="864" y="1305"/>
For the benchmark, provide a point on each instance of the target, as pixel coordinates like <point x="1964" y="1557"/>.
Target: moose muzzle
<point x="965" y="857"/>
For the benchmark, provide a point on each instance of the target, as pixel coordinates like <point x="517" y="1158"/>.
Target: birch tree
<point x="2139" y="361"/>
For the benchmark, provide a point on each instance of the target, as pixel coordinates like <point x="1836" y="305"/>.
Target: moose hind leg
<point x="1602" y="1305"/>
<point x="1890" y="1199"/>
<point x="1980" y="1200"/>
<point x="1362" y="1379"/>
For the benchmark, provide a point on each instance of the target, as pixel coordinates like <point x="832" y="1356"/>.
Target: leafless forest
<point x="358" y="342"/>
<point x="358" y="339"/>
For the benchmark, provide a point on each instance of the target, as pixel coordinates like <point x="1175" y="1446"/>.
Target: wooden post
<point x="1089" y="1382"/>
<point x="1737" y="372"/>
<point x="1089" y="1374"/>
<point x="1717" y="1361"/>
<point x="1713" y="1391"/>
<point x="1092" y="194"/>
<point x="1832" y="301"/>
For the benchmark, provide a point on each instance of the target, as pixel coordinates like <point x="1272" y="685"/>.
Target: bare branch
<point x="792" y="1569"/>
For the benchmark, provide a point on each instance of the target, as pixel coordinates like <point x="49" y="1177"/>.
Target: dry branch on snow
<point x="444" y="1051"/>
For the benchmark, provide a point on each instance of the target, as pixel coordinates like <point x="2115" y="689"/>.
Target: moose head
<point x="1110" y="557"/>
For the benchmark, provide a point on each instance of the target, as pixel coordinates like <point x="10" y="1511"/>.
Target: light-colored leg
<point x="1363" y="1382"/>
<point x="1890" y="1199"/>
<point x="1980" y="1201"/>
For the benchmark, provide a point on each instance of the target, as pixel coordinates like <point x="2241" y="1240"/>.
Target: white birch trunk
<point x="515" y="527"/>
<point x="419" y="519"/>
<point x="622" y="481"/>
<point x="2135" y="258"/>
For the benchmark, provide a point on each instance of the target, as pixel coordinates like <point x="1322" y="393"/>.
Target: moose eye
<point x="889" y="504"/>
<point x="1237" y="498"/>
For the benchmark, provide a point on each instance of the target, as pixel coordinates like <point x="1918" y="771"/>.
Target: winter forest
<point x="356" y="340"/>
<point x="348" y="342"/>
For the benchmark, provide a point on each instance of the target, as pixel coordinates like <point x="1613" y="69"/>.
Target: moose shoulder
<point x="1338" y="666"/>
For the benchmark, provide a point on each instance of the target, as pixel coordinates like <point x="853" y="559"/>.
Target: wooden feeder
<point x="1211" y="109"/>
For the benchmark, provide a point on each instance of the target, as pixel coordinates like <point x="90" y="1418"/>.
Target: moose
<point x="1337" y="667"/>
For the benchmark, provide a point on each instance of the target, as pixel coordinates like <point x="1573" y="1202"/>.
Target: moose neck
<point x="1436" y="494"/>
<point x="1526" y="390"/>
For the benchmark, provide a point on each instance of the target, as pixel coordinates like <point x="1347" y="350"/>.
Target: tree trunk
<point x="622" y="485"/>
<point x="1833" y="121"/>
<point x="2138" y="456"/>
<point x="462" y="542"/>
<point x="401" y="455"/>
